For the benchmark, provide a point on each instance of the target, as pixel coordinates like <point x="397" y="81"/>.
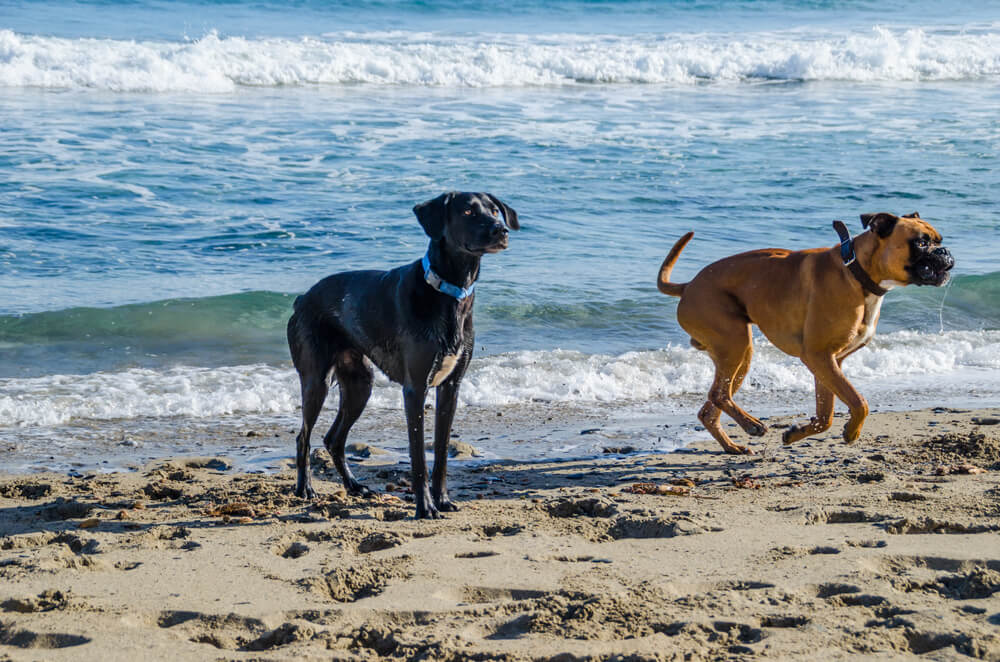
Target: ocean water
<point x="173" y="174"/>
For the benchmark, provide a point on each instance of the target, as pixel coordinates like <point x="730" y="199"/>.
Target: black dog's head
<point x="914" y="252"/>
<point x="476" y="223"/>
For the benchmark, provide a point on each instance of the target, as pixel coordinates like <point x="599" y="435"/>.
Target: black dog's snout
<point x="498" y="231"/>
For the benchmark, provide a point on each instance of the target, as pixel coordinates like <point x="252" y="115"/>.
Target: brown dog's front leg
<point x="827" y="370"/>
<point x="413" y="402"/>
<point x="820" y="423"/>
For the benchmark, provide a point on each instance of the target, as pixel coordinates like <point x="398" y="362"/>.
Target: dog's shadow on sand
<point x="258" y="499"/>
<point x="471" y="482"/>
<point x="71" y="520"/>
<point x="604" y="472"/>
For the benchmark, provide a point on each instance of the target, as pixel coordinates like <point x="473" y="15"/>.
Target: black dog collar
<point x="851" y="261"/>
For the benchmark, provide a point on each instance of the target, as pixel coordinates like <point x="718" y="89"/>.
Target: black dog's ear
<point x="914" y="215"/>
<point x="881" y="223"/>
<point x="433" y="214"/>
<point x="509" y="215"/>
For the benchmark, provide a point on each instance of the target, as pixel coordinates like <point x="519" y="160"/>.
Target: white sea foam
<point x="215" y="64"/>
<point x="924" y="367"/>
<point x="136" y="393"/>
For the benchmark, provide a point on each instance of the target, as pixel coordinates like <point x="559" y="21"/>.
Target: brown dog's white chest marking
<point x="447" y="365"/>
<point x="873" y="306"/>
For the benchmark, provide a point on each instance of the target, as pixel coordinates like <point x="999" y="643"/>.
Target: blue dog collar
<point x="442" y="285"/>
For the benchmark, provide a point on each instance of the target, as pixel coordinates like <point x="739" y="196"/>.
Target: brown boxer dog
<point x="820" y="305"/>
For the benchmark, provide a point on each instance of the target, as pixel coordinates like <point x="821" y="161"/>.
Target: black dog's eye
<point x="495" y="211"/>
<point x="467" y="212"/>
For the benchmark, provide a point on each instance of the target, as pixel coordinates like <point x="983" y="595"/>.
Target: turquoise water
<point x="172" y="174"/>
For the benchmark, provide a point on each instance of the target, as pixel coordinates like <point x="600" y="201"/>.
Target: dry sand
<point x="820" y="551"/>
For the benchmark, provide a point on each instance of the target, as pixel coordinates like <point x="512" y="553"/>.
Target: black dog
<point x="413" y="322"/>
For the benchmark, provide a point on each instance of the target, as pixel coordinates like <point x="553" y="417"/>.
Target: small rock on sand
<point x="215" y="463"/>
<point x="364" y="450"/>
<point x="459" y="450"/>
<point x="618" y="450"/>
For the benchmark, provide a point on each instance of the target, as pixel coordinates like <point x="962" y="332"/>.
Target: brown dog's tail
<point x="663" y="281"/>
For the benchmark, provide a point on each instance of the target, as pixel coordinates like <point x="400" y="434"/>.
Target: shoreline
<point x="527" y="432"/>
<point x="820" y="550"/>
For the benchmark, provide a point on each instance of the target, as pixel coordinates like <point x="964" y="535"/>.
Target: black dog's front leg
<point x="444" y="414"/>
<point x="447" y="398"/>
<point x="413" y="402"/>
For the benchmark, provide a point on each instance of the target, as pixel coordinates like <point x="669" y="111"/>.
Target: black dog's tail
<point x="663" y="280"/>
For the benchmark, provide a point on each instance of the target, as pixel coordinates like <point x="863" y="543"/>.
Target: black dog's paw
<point x="428" y="513"/>
<point x="354" y="488"/>
<point x="447" y="506"/>
<point x="442" y="502"/>
<point x="305" y="492"/>
<point x="427" y="507"/>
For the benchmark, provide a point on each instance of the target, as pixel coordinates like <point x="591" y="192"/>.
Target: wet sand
<point x="883" y="549"/>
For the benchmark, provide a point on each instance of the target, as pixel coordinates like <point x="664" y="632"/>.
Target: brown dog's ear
<point x="881" y="223"/>
<point x="509" y="215"/>
<point x="433" y="214"/>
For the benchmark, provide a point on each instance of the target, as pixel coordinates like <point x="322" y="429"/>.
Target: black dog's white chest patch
<point x="445" y="368"/>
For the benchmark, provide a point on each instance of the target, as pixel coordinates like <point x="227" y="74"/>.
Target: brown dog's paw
<point x="789" y="436"/>
<point x="850" y="436"/>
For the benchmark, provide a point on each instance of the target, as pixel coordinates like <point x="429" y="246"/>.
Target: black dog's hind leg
<point x="314" y="391"/>
<point x="413" y="402"/>
<point x="355" y="378"/>
<point x="444" y="414"/>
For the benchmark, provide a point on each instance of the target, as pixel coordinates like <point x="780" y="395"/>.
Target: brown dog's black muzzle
<point x="932" y="267"/>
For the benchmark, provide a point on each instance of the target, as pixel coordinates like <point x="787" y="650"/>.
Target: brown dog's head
<point x="910" y="249"/>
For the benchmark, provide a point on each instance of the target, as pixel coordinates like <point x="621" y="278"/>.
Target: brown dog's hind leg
<point x="709" y="416"/>
<point x="731" y="368"/>
<point x="821" y="422"/>
<point x="827" y="370"/>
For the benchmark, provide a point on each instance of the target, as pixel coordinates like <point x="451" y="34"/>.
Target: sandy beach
<point x="884" y="549"/>
<point x="174" y="176"/>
